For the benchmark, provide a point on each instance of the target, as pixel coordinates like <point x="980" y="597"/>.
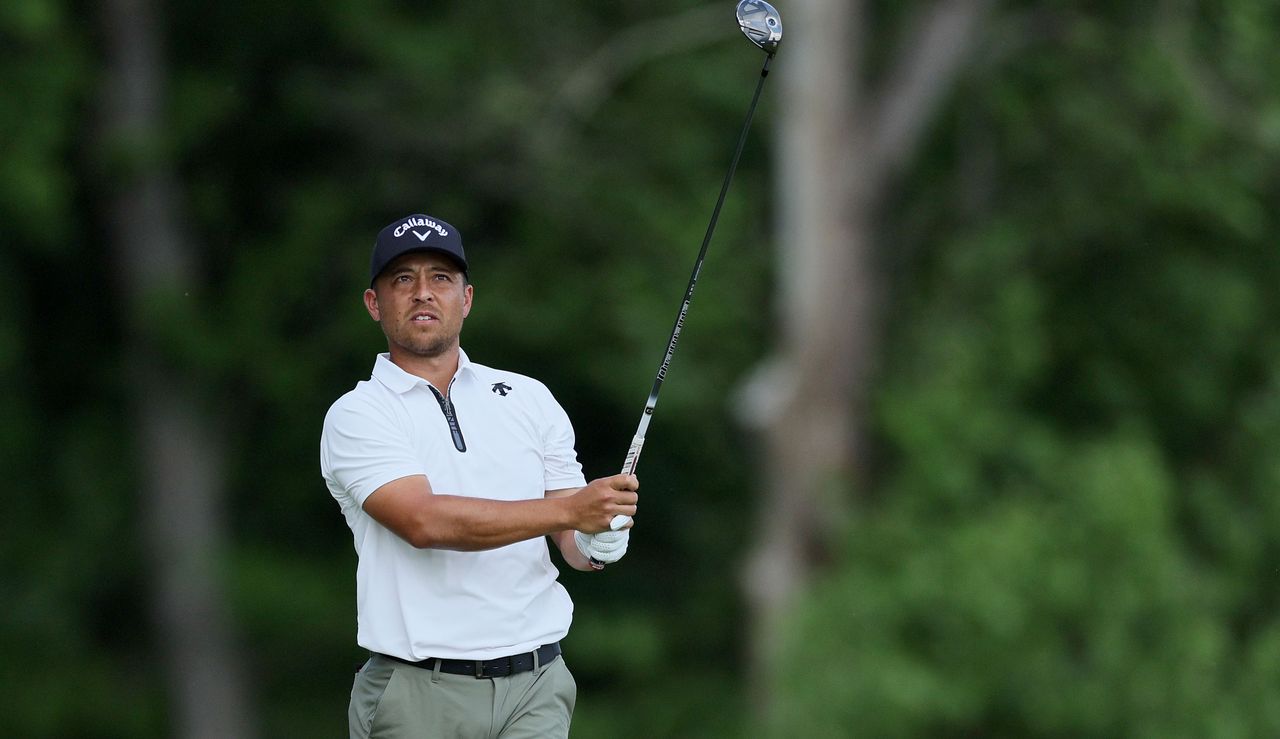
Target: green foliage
<point x="1061" y="607"/>
<point x="41" y="72"/>
<point x="1072" y="529"/>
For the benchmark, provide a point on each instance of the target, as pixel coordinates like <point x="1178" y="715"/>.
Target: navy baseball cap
<point x="415" y="233"/>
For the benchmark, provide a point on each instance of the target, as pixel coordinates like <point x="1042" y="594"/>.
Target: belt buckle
<point x="479" y="669"/>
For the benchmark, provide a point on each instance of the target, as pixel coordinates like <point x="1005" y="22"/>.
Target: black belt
<point x="500" y="667"/>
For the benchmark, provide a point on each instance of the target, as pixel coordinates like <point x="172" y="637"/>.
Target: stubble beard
<point x="424" y="347"/>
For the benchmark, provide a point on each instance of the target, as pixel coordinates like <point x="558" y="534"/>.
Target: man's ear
<point x="467" y="294"/>
<point x="371" y="305"/>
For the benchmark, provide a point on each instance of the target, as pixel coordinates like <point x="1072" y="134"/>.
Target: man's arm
<point x="411" y="510"/>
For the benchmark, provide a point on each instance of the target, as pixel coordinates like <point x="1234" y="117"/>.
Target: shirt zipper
<point x="451" y="416"/>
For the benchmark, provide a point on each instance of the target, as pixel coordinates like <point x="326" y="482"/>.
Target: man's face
<point x="420" y="300"/>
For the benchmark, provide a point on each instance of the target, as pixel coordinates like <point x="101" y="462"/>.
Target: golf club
<point x="762" y="25"/>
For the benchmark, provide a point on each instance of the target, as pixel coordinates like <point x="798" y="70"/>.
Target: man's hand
<point x="595" y="505"/>
<point x="591" y="535"/>
<point x="606" y="547"/>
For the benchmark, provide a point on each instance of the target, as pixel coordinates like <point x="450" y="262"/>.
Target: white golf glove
<point x="607" y="546"/>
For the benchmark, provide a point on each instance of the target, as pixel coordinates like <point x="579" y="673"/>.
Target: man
<point x="451" y="475"/>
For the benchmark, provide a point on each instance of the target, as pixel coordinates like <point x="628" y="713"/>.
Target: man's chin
<point x="428" y="350"/>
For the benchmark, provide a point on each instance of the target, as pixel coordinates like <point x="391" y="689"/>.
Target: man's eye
<point x="402" y="278"/>
<point x="443" y="278"/>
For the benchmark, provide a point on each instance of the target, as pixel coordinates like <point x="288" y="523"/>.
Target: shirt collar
<point x="399" y="381"/>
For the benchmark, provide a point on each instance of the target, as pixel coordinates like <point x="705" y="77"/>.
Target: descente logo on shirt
<point x="501" y="388"/>
<point x="420" y="223"/>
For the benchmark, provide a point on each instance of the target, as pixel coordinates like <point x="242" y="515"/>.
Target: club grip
<point x="633" y="455"/>
<point x="628" y="468"/>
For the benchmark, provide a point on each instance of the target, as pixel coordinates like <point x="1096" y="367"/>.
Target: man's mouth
<point x="424" y="318"/>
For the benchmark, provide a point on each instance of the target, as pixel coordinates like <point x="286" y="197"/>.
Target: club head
<point x="761" y="24"/>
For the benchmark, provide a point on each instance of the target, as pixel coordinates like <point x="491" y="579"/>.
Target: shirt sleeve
<point x="362" y="448"/>
<point x="561" y="468"/>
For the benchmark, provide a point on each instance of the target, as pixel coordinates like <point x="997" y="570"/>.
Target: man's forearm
<point x="409" y="508"/>
<point x="473" y="524"/>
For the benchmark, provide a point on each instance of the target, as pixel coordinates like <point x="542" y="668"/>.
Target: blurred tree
<point x="180" y="456"/>
<point x="840" y="147"/>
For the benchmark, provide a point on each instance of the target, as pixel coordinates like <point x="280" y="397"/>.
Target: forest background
<point x="974" y="429"/>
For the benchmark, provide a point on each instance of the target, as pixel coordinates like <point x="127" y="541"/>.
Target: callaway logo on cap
<point x="415" y="233"/>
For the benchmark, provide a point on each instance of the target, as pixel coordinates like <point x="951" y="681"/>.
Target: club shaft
<point x="663" y="368"/>
<point x="637" y="442"/>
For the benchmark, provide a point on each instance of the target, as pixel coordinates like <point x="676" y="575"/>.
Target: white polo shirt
<point x="418" y="603"/>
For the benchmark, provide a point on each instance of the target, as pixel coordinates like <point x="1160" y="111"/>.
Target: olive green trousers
<point x="392" y="700"/>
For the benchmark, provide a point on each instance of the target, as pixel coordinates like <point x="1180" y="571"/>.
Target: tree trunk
<point x="837" y="150"/>
<point x="180" y="465"/>
<point x="808" y="428"/>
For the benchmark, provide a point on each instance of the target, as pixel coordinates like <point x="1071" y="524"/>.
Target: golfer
<point x="451" y="476"/>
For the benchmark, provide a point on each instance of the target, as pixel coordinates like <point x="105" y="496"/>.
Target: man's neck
<point x="437" y="370"/>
